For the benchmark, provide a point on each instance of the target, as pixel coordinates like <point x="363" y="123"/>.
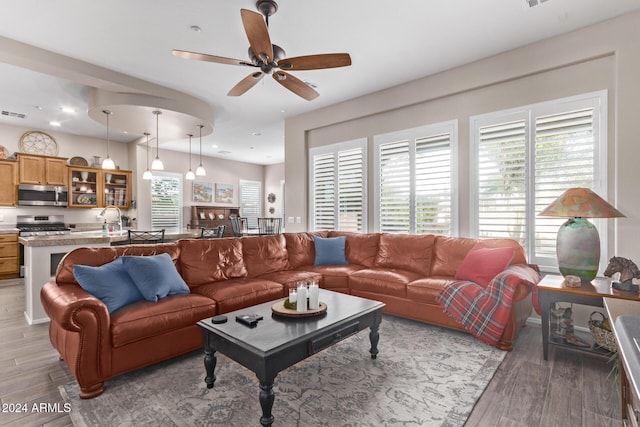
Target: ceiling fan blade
<point x="209" y="58"/>
<point x="258" y="34"/>
<point x="245" y="84"/>
<point x="315" y="62"/>
<point x="295" y="85"/>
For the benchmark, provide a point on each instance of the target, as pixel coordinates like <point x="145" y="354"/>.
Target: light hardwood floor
<point x="571" y="389"/>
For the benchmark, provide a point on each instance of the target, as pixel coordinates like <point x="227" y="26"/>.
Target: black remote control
<point x="250" y="320"/>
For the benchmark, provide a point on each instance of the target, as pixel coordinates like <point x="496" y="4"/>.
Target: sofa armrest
<point x="79" y="330"/>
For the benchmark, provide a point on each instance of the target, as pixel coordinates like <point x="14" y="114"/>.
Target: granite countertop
<point x="9" y="230"/>
<point x="95" y="236"/>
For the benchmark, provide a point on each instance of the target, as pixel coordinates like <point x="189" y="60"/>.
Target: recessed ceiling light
<point x="56" y="124"/>
<point x="37" y="107"/>
<point x="256" y="134"/>
<point x="214" y="146"/>
<point x="195" y="28"/>
<point x="68" y="110"/>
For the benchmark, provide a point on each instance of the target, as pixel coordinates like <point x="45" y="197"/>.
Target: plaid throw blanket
<point x="484" y="312"/>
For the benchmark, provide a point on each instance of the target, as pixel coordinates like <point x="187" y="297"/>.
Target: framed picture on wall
<point x="224" y="193"/>
<point x="202" y="191"/>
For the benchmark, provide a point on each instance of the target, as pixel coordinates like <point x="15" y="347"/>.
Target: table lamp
<point x="578" y="242"/>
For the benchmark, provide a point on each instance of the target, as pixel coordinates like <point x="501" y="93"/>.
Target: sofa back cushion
<point x="265" y="254"/>
<point x="361" y="249"/>
<point x="301" y="248"/>
<point x="406" y="252"/>
<point x="99" y="256"/>
<point x="205" y="261"/>
<point x="449" y="253"/>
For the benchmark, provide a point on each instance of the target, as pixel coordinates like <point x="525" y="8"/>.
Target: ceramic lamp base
<point x="578" y="249"/>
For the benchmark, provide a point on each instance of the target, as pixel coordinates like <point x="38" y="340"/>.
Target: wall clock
<point x="36" y="142"/>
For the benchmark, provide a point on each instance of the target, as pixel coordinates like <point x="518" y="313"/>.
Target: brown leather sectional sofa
<point x="406" y="272"/>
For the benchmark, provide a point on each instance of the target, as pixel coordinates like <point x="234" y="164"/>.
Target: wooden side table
<point x="551" y="289"/>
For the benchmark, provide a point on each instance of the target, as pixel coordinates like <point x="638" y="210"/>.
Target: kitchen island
<point x="43" y="253"/>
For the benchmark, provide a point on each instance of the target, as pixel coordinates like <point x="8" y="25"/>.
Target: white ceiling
<point x="390" y="43"/>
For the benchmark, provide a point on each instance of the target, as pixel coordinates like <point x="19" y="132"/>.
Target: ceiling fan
<point x="270" y="58"/>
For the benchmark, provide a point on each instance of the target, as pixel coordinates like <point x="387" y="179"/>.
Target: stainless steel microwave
<point x="42" y="195"/>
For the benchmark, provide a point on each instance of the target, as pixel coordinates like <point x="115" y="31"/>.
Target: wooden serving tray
<point x="279" y="309"/>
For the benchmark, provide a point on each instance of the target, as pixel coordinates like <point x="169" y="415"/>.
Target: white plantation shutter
<point x="414" y="192"/>
<point x="251" y="201"/>
<point x="524" y="160"/>
<point x="166" y="202"/>
<point x="338" y="187"/>
<point x="501" y="180"/>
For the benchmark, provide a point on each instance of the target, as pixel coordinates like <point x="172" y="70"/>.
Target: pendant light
<point x="108" y="163"/>
<point x="190" y="176"/>
<point x="157" y="163"/>
<point x="200" y="171"/>
<point x="147" y="173"/>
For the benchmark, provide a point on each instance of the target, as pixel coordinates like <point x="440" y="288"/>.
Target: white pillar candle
<point x="314" y="295"/>
<point x="301" y="304"/>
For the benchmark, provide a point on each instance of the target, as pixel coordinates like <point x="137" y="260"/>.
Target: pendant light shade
<point x="190" y="175"/>
<point x="108" y="163"/>
<point x="200" y="171"/>
<point x="157" y="163"/>
<point x="147" y="173"/>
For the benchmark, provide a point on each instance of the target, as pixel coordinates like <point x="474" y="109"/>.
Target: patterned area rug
<point x="424" y="376"/>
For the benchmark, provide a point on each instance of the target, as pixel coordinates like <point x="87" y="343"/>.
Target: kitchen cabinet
<point x="42" y="170"/>
<point x="97" y="188"/>
<point x="213" y="216"/>
<point x="8" y="183"/>
<point x="9" y="256"/>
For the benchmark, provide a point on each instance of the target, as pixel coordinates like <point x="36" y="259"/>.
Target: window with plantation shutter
<point x="251" y="201"/>
<point x="524" y="159"/>
<point x="414" y="185"/>
<point x="338" y="199"/>
<point x="166" y="201"/>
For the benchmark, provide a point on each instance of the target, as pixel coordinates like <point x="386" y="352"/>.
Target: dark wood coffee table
<point x="277" y="342"/>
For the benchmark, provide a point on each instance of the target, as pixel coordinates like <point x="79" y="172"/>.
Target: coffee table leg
<point x="210" y="361"/>
<point x="374" y="337"/>
<point x="267" y="396"/>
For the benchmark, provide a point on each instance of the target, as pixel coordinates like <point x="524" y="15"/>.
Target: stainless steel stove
<point x="41" y="225"/>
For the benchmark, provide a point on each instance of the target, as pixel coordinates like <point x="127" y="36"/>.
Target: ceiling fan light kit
<point x="270" y="58"/>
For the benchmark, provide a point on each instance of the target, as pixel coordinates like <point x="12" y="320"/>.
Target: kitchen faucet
<point x="119" y="214"/>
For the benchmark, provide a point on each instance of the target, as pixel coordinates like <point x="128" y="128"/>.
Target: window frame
<point x="260" y="207"/>
<point x="413" y="134"/>
<point x="180" y="198"/>
<point x="598" y="100"/>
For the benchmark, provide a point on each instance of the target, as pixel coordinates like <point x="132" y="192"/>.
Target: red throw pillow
<point x="482" y="263"/>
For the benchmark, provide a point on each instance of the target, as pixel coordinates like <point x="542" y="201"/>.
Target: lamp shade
<point x="578" y="242"/>
<point x="580" y="203"/>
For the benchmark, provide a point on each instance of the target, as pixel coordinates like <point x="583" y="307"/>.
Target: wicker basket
<point x="604" y="337"/>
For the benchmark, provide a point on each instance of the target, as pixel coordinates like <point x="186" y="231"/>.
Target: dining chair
<point x="239" y="226"/>
<point x="212" y="233"/>
<point x="138" y="237"/>
<point x="269" y="225"/>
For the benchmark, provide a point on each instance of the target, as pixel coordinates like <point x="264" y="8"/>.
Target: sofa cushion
<point x="265" y="254"/>
<point x="450" y="251"/>
<point x="109" y="282"/>
<point x="155" y="276"/>
<point x="329" y="250"/>
<point x="360" y="248"/>
<point x="382" y="281"/>
<point x="406" y="252"/>
<point x="235" y="294"/>
<point x="204" y="261"/>
<point x="426" y="289"/>
<point x="290" y="278"/>
<point x="482" y="264"/>
<point x="334" y="277"/>
<point x="146" y="319"/>
<point x="301" y="248"/>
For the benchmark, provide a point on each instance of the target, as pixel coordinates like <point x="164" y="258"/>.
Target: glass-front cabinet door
<point x="97" y="188"/>
<point x="83" y="187"/>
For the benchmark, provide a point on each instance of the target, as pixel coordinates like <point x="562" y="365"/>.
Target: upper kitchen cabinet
<point x="95" y="187"/>
<point x="43" y="170"/>
<point x="8" y="183"/>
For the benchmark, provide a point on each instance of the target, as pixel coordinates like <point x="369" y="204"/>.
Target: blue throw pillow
<point x="330" y="250"/>
<point x="110" y="283"/>
<point x="155" y="276"/>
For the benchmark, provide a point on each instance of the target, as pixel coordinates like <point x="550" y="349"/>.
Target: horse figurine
<point x="628" y="271"/>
